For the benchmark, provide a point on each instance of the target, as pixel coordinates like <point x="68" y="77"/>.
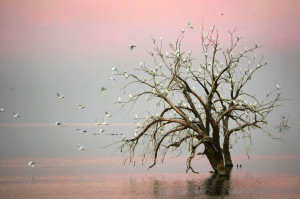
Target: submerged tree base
<point x="222" y="172"/>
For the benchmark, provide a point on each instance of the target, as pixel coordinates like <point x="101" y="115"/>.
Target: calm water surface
<point x="82" y="174"/>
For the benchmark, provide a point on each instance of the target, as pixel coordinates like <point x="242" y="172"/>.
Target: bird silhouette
<point x="132" y="47"/>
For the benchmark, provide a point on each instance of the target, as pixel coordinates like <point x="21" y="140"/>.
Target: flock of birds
<point x="83" y="131"/>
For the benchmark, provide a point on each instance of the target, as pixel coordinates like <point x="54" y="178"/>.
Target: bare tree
<point x="200" y="107"/>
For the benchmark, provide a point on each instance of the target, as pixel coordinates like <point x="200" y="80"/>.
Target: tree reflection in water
<point x="217" y="185"/>
<point x="214" y="185"/>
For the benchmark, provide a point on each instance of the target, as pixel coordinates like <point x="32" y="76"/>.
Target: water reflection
<point x="157" y="189"/>
<point x="89" y="181"/>
<point x="217" y="185"/>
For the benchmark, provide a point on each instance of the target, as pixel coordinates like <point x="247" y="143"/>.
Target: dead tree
<point x="205" y="105"/>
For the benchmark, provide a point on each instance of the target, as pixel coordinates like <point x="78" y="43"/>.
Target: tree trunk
<point x="215" y="158"/>
<point x="226" y="152"/>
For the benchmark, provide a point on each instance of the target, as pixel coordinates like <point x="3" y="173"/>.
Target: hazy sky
<point x="69" y="46"/>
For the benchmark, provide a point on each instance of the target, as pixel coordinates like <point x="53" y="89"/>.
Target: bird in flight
<point x="97" y="123"/>
<point x="107" y="114"/>
<point x="81" y="106"/>
<point x="59" y="124"/>
<point x="190" y="25"/>
<point x="31" y="164"/>
<point x="104" y="121"/>
<point x="15" y="114"/>
<point x="102" y="90"/>
<point x="114" y="69"/>
<point x="132" y="47"/>
<point x="1" y="109"/>
<point x="80" y="147"/>
<point x="59" y="96"/>
<point x="101" y="130"/>
<point x="84" y="132"/>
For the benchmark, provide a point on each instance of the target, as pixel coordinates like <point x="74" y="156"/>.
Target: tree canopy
<point x="199" y="105"/>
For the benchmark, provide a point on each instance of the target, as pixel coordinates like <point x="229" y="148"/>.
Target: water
<point x="65" y="172"/>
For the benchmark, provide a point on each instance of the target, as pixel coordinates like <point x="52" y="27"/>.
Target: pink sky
<point x="67" y="25"/>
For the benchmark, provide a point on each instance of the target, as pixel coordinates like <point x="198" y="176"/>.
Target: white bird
<point x="97" y="123"/>
<point x="132" y="47"/>
<point x="59" y="124"/>
<point x="111" y="78"/>
<point x="15" y="115"/>
<point x="102" y="90"/>
<point x="80" y="147"/>
<point x="113" y="70"/>
<point x="278" y="87"/>
<point x="126" y="75"/>
<point x="1" y="109"/>
<point x="120" y="99"/>
<point x="130" y="96"/>
<point x="81" y="106"/>
<point x="104" y="121"/>
<point x="182" y="30"/>
<point x="190" y="25"/>
<point x="107" y="114"/>
<point x="136" y="116"/>
<point x="59" y="96"/>
<point x="84" y="132"/>
<point x="101" y="130"/>
<point x="31" y="164"/>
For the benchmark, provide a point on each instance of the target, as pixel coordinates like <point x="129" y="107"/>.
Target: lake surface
<point x="65" y="172"/>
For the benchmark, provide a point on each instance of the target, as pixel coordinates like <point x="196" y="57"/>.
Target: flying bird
<point x="84" y="132"/>
<point x="126" y="75"/>
<point x="132" y="47"/>
<point x="80" y="147"/>
<point x="81" y="106"/>
<point x="101" y="130"/>
<point x="1" y="109"/>
<point x="104" y="121"/>
<point x="113" y="70"/>
<point x="59" y="124"/>
<point x="190" y="25"/>
<point x="102" y="90"/>
<point x="31" y="164"/>
<point x="107" y="114"/>
<point x="97" y="123"/>
<point x="59" y="96"/>
<point x="15" y="115"/>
